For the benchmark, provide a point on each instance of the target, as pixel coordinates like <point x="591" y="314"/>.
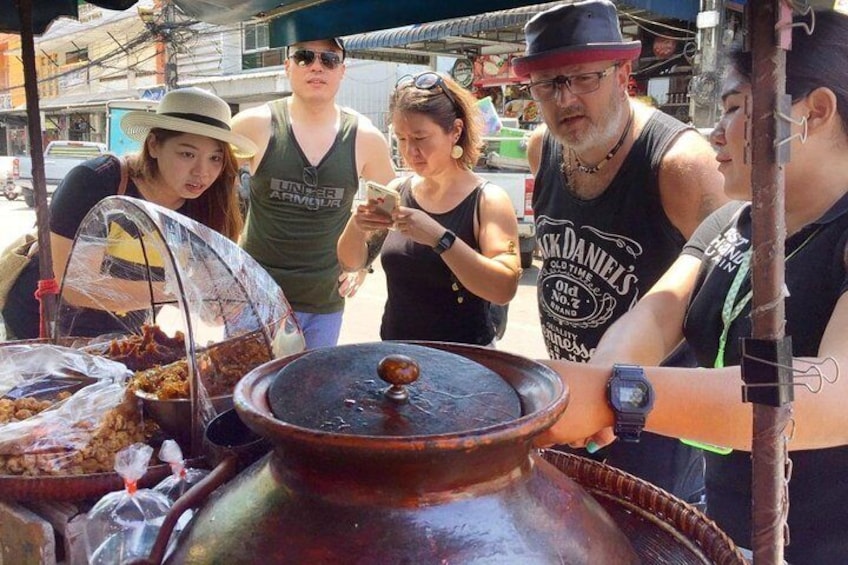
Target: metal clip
<point x="802" y="135"/>
<point x="802" y="9"/>
<point x="814" y="371"/>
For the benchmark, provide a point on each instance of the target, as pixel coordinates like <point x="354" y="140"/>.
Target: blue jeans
<point x="320" y="330"/>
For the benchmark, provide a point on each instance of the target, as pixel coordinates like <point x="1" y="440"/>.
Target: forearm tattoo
<point x="374" y="244"/>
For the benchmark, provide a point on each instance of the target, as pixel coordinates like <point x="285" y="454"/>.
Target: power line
<point x="129" y="48"/>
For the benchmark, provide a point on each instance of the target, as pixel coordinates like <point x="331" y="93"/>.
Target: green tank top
<point x="297" y="213"/>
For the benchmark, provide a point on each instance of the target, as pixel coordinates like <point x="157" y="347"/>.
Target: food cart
<point x="764" y="155"/>
<point x="182" y="309"/>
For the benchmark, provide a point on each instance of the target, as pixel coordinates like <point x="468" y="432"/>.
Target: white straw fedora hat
<point x="189" y="110"/>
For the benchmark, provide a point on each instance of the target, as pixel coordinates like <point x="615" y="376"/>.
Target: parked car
<point x="519" y="187"/>
<point x="59" y="158"/>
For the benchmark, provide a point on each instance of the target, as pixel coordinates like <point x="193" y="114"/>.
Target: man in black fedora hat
<point x="619" y="189"/>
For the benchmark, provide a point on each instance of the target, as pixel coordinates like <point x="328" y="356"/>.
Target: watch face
<point x="632" y="395"/>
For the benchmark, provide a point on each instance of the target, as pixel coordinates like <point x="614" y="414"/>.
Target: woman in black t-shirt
<point x="187" y="163"/>
<point x="706" y="298"/>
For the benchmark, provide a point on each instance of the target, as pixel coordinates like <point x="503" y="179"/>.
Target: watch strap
<point x="445" y="242"/>
<point x="629" y="424"/>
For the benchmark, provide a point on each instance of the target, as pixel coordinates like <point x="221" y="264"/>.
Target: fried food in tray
<point x="77" y="436"/>
<point x="63" y="412"/>
<point x="153" y="347"/>
<point x="221" y="366"/>
<point x="19" y="409"/>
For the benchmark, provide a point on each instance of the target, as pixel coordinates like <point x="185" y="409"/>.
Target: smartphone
<point x="387" y="198"/>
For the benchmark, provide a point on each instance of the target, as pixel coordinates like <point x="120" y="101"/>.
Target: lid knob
<point x="398" y="371"/>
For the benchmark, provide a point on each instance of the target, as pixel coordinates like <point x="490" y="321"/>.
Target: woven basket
<point x="661" y="527"/>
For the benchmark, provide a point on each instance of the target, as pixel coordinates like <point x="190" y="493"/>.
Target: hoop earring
<point x="457" y="152"/>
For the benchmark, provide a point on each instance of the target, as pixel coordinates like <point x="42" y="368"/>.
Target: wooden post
<point x="39" y="184"/>
<point x="769" y="234"/>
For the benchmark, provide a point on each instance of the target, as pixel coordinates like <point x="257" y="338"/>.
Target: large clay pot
<point x="434" y="469"/>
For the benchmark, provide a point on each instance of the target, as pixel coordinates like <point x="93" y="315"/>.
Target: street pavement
<point x="15" y="219"/>
<point x="364" y="311"/>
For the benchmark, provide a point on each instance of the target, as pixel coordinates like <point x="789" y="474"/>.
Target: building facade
<point x="141" y="53"/>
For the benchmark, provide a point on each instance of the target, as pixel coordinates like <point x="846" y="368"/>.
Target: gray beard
<point x="604" y="134"/>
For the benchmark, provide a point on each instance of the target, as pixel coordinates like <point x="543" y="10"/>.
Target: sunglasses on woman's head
<point x="305" y="57"/>
<point x="428" y="81"/>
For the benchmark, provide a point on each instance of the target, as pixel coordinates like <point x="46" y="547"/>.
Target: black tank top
<point x="815" y="279"/>
<point x="601" y="255"/>
<point x="425" y="301"/>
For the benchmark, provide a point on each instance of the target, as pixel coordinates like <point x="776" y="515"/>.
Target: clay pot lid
<point x="390" y="389"/>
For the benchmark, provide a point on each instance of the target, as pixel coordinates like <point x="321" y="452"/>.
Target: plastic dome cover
<point x="135" y="264"/>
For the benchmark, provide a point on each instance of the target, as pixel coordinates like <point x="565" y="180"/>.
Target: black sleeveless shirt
<point x="601" y="255"/>
<point x="425" y="300"/>
<point x="815" y="277"/>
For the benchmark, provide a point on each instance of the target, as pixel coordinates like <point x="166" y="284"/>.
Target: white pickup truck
<point x="506" y="166"/>
<point x="59" y="158"/>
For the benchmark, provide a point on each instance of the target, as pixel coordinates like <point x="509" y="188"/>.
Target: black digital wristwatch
<point x="631" y="398"/>
<point x="445" y="242"/>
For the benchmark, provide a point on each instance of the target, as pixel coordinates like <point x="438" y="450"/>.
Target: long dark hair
<point x="218" y="206"/>
<point x="816" y="60"/>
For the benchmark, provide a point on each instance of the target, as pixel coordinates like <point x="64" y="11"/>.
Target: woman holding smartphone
<point x="453" y="244"/>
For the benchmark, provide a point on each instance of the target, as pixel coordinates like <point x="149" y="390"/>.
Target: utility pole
<point x="163" y="30"/>
<point x="704" y="85"/>
<point x="170" y="45"/>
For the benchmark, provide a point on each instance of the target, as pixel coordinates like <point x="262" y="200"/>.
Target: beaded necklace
<point x="566" y="164"/>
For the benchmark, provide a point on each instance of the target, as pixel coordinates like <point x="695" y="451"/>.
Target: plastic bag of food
<point x="45" y="432"/>
<point x="181" y="478"/>
<point x="42" y="371"/>
<point x="123" y="525"/>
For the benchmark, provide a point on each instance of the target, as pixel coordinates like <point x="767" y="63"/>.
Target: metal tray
<point x="69" y="488"/>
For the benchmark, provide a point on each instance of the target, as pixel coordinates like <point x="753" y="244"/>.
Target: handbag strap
<point x="125" y="174"/>
<point x="478" y="203"/>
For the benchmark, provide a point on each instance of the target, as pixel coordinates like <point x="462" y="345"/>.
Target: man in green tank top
<point x="306" y="174"/>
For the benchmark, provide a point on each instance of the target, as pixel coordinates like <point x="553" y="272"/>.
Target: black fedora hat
<point x="582" y="32"/>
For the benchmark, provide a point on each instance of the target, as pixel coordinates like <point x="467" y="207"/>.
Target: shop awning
<point x="45" y="11"/>
<point x="72" y="103"/>
<point x="302" y="20"/>
<point x="80" y="102"/>
<point x="512" y="18"/>
<point x="684" y="10"/>
<point x="498" y="32"/>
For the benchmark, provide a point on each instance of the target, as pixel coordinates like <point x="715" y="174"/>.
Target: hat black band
<point x="198" y="118"/>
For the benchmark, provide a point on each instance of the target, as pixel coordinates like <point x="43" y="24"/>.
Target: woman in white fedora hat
<point x="188" y="163"/>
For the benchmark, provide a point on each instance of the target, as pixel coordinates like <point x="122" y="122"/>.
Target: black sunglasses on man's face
<point x="305" y="57"/>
